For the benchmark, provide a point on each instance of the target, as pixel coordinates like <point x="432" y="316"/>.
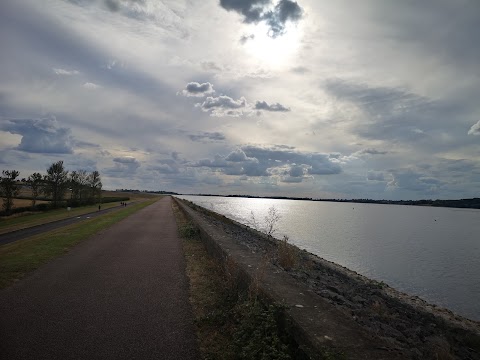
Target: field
<point x="26" y="202"/>
<point x="28" y="219"/>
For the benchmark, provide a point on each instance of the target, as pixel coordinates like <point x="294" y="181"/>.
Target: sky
<point x="317" y="98"/>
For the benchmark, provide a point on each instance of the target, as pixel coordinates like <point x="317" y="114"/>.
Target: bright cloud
<point x="155" y="97"/>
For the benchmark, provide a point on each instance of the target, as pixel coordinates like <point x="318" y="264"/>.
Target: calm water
<point x="433" y="253"/>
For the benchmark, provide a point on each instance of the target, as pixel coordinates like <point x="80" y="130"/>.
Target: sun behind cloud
<point x="276" y="52"/>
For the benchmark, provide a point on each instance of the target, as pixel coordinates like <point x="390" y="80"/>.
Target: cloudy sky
<point x="319" y="98"/>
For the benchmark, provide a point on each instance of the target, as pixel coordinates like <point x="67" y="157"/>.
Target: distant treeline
<point x="148" y="191"/>
<point x="64" y="204"/>
<point x="473" y="203"/>
<point x="83" y="187"/>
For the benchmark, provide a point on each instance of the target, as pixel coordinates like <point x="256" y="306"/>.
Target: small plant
<point x="271" y="220"/>
<point x="257" y="334"/>
<point x="188" y="231"/>
<point x="252" y="222"/>
<point x="287" y="254"/>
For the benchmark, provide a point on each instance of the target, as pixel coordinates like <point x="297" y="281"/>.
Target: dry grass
<point x="287" y="254"/>
<point x="206" y="283"/>
<point x="232" y="322"/>
<point x="26" y="202"/>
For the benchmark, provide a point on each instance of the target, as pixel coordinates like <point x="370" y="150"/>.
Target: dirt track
<point x="122" y="294"/>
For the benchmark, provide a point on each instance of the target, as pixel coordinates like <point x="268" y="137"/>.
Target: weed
<point x="252" y="222"/>
<point x="188" y="231"/>
<point x="257" y="334"/>
<point x="287" y="254"/>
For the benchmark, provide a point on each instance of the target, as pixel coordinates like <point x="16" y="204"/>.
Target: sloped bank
<point x="330" y="307"/>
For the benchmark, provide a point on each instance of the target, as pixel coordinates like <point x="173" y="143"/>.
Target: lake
<point x="433" y="253"/>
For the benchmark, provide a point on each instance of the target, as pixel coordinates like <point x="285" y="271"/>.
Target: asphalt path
<point x="122" y="294"/>
<point x="38" y="229"/>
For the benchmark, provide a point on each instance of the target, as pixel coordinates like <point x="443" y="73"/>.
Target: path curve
<point x="122" y="294"/>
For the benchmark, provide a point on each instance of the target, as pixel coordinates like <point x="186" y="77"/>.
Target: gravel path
<point x="122" y="294"/>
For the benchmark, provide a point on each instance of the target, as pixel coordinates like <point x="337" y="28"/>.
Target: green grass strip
<point x="23" y="256"/>
<point x="26" y="221"/>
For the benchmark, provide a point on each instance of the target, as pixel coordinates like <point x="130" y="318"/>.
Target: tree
<point x="56" y="182"/>
<point x="95" y="185"/>
<point x="78" y="182"/>
<point x="35" y="181"/>
<point x="9" y="188"/>
<point x="82" y="179"/>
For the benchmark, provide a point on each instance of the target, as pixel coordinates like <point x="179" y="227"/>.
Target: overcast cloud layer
<point x="372" y="99"/>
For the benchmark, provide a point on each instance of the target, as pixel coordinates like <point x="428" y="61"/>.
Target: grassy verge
<point x="21" y="257"/>
<point x="28" y="220"/>
<point x="231" y="322"/>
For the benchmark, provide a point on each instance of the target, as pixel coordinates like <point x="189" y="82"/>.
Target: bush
<point x="109" y="199"/>
<point x="42" y="207"/>
<point x="258" y="334"/>
<point x="287" y="254"/>
<point x="189" y="231"/>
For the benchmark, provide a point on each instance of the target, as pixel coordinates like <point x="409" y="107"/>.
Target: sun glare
<point x="275" y="52"/>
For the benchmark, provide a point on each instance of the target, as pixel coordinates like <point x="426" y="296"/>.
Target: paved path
<point x="38" y="229"/>
<point x="122" y="294"/>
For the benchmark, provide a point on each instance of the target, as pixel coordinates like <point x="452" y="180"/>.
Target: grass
<point x="26" y="202"/>
<point x="287" y="254"/>
<point x="231" y="321"/>
<point x="21" y="257"/>
<point x="24" y="221"/>
<point x="29" y="219"/>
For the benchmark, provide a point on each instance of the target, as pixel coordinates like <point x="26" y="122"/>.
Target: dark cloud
<point x="285" y="11"/>
<point x="300" y="70"/>
<point x="397" y="115"/>
<point x="372" y="151"/>
<point x="123" y="167"/>
<point x="255" y="11"/>
<point x="40" y="135"/>
<point x="415" y="181"/>
<point x="207" y="137"/>
<point x="283" y="161"/>
<point x="85" y="144"/>
<point x="375" y="175"/>
<point x="296" y="174"/>
<point x="197" y="89"/>
<point x="315" y="163"/>
<point x="218" y="162"/>
<point x="112" y="5"/>
<point x="263" y="105"/>
<point x="475" y="129"/>
<point x="125" y="160"/>
<point x="245" y="38"/>
<point x="322" y="164"/>
<point x="211" y="66"/>
<point x="237" y="156"/>
<point x="252" y="10"/>
<point x="224" y="106"/>
<point x="165" y="169"/>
